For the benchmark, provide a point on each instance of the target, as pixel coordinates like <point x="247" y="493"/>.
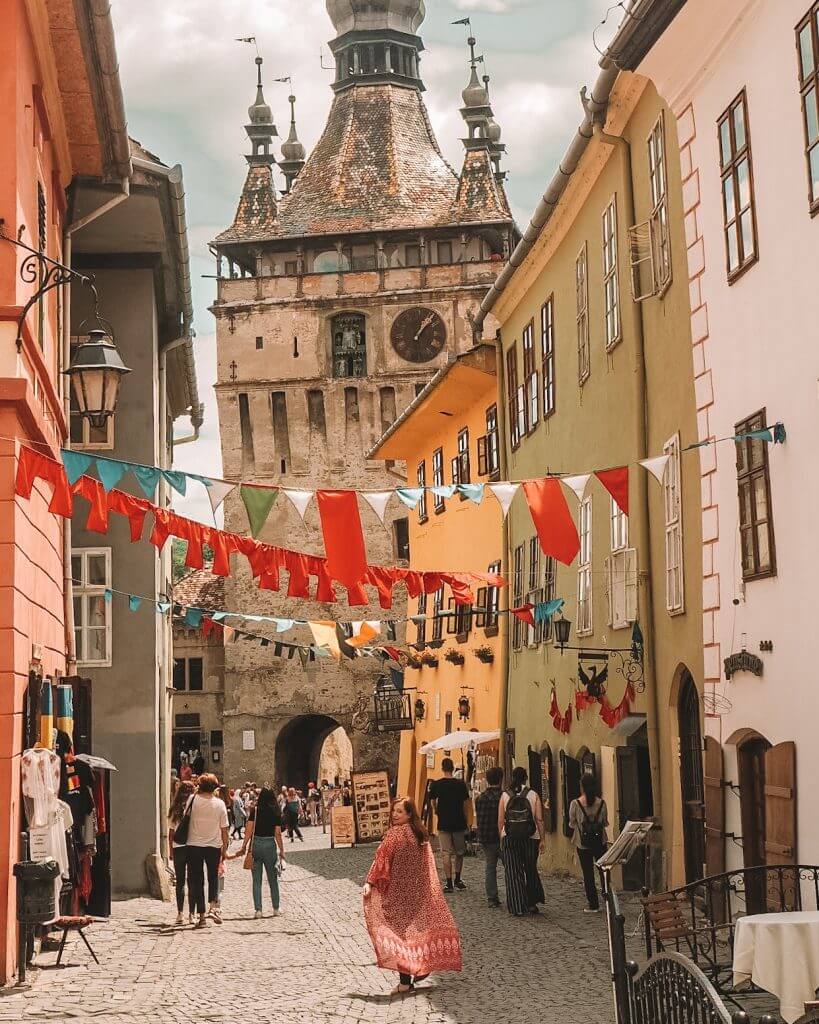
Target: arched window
<point x="330" y="262"/>
<point x="349" y="345"/>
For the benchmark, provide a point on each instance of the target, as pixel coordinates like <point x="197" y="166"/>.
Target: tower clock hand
<point x="424" y="324"/>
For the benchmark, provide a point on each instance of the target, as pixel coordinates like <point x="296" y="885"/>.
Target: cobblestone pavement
<point x="315" y="964"/>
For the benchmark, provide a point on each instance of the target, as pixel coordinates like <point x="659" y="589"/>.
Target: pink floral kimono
<point x="410" y="925"/>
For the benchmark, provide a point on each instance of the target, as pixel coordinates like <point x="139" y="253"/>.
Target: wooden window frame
<point x="492" y="618"/>
<point x="612" y="324"/>
<point x="748" y="476"/>
<point x="672" y="503"/>
<point x="530" y="378"/>
<point x="549" y="593"/>
<point x="511" y="395"/>
<point x="421" y="477"/>
<point x="438" y="503"/>
<point x="83" y="590"/>
<point x="730" y="165"/>
<point x="547" y="357"/>
<point x="437" y="608"/>
<point x="421" y="625"/>
<point x="462" y="459"/>
<point x="581" y="281"/>
<point x="810" y="83"/>
<point x="519" y="562"/>
<point x="659" y="225"/>
<point x="585" y="590"/>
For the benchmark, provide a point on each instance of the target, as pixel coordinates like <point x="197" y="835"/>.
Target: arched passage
<point x="298" y="749"/>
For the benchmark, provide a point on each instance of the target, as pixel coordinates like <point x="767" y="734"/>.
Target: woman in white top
<point x="207" y="845"/>
<point x="520" y="823"/>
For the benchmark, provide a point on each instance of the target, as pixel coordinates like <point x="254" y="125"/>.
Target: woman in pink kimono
<point x="410" y="925"/>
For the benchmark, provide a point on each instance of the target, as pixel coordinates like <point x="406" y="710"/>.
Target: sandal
<point x="401" y="990"/>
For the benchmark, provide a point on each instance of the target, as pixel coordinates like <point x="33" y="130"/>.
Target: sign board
<point x="487" y="756"/>
<point x="248" y="739"/>
<point x="342" y="826"/>
<point x="371" y="800"/>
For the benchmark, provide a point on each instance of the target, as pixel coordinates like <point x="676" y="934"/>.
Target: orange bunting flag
<point x="553" y="520"/>
<point x="343" y="537"/>
<point x="616" y="483"/>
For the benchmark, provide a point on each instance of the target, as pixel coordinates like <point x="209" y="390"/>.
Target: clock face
<point x="418" y="334"/>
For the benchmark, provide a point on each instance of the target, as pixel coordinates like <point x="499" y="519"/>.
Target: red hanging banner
<point x="343" y="537"/>
<point x="553" y="520"/>
<point x="616" y="483"/>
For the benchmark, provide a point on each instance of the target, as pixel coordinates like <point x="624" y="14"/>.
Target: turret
<point x="376" y="42"/>
<point x="293" y="152"/>
<point x="261" y="129"/>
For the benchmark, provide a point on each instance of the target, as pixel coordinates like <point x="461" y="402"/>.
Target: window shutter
<point x="607" y="578"/>
<point x="780" y="804"/>
<point x="547" y="788"/>
<point x="483" y="461"/>
<point x="570" y="779"/>
<point x="456" y="479"/>
<point x="714" y="810"/>
<point x="534" y="771"/>
<point x="641" y="244"/>
<point x="630" y="582"/>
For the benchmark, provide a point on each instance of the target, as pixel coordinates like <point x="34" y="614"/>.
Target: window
<point x="738" y="212"/>
<point x="91" y="573"/>
<point x="674" y="580"/>
<point x="437" y="609"/>
<point x="291" y="267"/>
<point x="549" y="591"/>
<point x="515" y="432"/>
<point x="659" y="226"/>
<point x="421" y="624"/>
<point x="42" y="238"/>
<point x="584" y="570"/>
<point x="187" y="674"/>
<point x="422" y="483"/>
<point x="807" y="38"/>
<point x="217" y="738"/>
<point x="530" y="377"/>
<point x="755" y="518"/>
<point x="83" y="435"/>
<point x="534" y="594"/>
<point x="438" y="479"/>
<point x="492" y="443"/>
<point x="619" y="527"/>
<point x="547" y="355"/>
<point x="611" y="286"/>
<point x="445" y="252"/>
<point x="518" y="627"/>
<point x="462" y="620"/>
<point x="492" y="603"/>
<point x="447" y="723"/>
<point x="621" y="572"/>
<point x="463" y="458"/>
<point x="581" y="269"/>
<point x="400" y="528"/>
<point x="349" y="346"/>
<point x="412" y="255"/>
<point x="259" y="343"/>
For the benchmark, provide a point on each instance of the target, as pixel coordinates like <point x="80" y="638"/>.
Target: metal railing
<point x="671" y="989"/>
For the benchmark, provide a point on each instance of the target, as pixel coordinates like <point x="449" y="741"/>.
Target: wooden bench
<point x="73" y="924"/>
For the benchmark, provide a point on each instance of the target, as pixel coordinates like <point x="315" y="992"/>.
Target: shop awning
<point x="456" y="740"/>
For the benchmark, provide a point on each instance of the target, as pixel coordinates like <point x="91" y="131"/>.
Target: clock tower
<point x="343" y="286"/>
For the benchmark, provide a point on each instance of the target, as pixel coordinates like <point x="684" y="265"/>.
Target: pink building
<point x="742" y="78"/>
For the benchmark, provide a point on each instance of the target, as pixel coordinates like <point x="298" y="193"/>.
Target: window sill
<point x="440" y="510"/>
<point x="612" y="345"/>
<point x="461" y="638"/>
<point x="767" y="575"/>
<point x="491" y="631"/>
<point x="422" y="520"/>
<point x="494" y="475"/>
<point x="735" y="275"/>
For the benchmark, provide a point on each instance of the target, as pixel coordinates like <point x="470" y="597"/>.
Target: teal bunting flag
<point x="193" y="617"/>
<point x="472" y="491"/>
<point x="283" y="625"/>
<point x="177" y="480"/>
<point x="76" y="464"/>
<point x="134" y="602"/>
<point x="108" y="595"/>
<point x="546" y="609"/>
<point x="147" y="478"/>
<point x="410" y="496"/>
<point x="756" y="435"/>
<point x="445" y="491"/>
<point x="110" y="471"/>
<point x="779" y="433"/>
<point x="163" y="607"/>
<point x="218" y="616"/>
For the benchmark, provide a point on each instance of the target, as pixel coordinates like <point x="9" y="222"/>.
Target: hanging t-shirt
<point x="208" y="817"/>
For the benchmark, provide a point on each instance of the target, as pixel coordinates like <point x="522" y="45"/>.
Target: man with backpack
<point x="450" y="799"/>
<point x="589" y="820"/>
<point x="522" y="831"/>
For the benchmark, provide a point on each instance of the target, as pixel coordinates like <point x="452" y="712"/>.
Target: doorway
<point x="691" y="778"/>
<point x="299" y="749"/>
<point x="751" y="764"/>
<point x="635" y="800"/>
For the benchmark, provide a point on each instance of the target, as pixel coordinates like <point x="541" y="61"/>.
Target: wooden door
<point x="752" y="759"/>
<point x="533" y="768"/>
<point x="570" y="784"/>
<point x="629" y="809"/>
<point x="780" y="824"/>
<point x="715" y="826"/>
<point x="547" y="789"/>
<point x="691" y="778"/>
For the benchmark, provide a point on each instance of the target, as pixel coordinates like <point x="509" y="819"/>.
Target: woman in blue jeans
<point x="263" y="836"/>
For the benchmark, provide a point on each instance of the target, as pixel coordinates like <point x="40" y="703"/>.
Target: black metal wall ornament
<point x="593" y="670"/>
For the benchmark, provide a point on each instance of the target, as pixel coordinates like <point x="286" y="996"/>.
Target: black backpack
<point x="518" y="820"/>
<point x="592" y="832"/>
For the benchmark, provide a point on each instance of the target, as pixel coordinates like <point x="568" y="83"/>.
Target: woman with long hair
<point x="520" y="823"/>
<point x="184" y="793"/>
<point x="207" y="847"/>
<point x="292" y="810"/>
<point x="263" y="837"/>
<point x="411" y="927"/>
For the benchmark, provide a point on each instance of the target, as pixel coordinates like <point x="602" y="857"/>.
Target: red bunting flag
<point x="616" y="483"/>
<point x="525" y="613"/>
<point x="552" y="518"/>
<point x="343" y="537"/>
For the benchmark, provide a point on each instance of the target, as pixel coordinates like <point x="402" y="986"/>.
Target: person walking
<point x="486" y="814"/>
<point x="179" y="851"/>
<point x="410" y="925"/>
<point x="239" y="816"/>
<point x="313" y="801"/>
<point x="292" y="810"/>
<point x="207" y="845"/>
<point x="450" y="798"/>
<point x="263" y="848"/>
<point x="520" y="824"/>
<point x="589" y="821"/>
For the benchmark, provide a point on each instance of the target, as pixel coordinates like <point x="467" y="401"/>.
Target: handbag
<point x="180" y="834"/>
<point x="247" y="863"/>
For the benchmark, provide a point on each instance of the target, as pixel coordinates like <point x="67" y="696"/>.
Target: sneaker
<point x="178" y="921"/>
<point x="216" y="914"/>
<point x="202" y="922"/>
<point x="449" y="887"/>
<point x="258" y="915"/>
<point x="591" y="910"/>
<point x="459" y="884"/>
<point x="276" y="912"/>
<point x="191" y="918"/>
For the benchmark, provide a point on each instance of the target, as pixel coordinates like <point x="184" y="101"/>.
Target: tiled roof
<point x="256" y="214"/>
<point x="376" y="167"/>
<point x="480" y="197"/>
<point x="200" y="589"/>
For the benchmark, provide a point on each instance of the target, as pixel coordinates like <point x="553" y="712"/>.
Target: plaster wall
<point x="208" y="702"/>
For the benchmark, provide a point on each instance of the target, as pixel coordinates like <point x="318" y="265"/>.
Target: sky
<point x="188" y="83"/>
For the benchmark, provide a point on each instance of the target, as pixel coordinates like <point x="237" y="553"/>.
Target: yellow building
<point x="597" y="373"/>
<point x="450" y="435"/>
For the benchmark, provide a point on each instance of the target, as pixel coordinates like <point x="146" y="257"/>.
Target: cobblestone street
<point x="315" y="962"/>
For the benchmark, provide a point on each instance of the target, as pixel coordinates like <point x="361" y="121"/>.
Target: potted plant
<point x="430" y="659"/>
<point x="413" y="662"/>
<point x="454" y="657"/>
<point x="484" y="654"/>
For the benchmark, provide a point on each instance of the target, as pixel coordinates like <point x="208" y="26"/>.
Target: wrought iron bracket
<point x="627" y="662"/>
<point x="37" y="267"/>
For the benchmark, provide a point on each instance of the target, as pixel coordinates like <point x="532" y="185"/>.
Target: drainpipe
<point x="196" y="412"/>
<point x="68" y="232"/>
<point x="504" y="475"/>
<point x="641" y="483"/>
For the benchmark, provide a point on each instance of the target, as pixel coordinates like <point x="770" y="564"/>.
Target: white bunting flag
<point x="656" y="466"/>
<point x="504" y="493"/>
<point x="577" y="484"/>
<point x="217" y="490"/>
<point x="301" y="499"/>
<point x="377" y="500"/>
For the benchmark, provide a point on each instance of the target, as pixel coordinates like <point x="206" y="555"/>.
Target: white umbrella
<point x="456" y="740"/>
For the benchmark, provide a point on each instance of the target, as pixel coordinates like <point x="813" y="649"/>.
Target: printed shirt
<point x="486" y="815"/>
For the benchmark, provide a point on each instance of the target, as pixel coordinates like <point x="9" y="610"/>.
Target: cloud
<point x="493" y="6"/>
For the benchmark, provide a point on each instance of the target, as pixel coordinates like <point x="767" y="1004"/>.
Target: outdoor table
<point x="780" y="953"/>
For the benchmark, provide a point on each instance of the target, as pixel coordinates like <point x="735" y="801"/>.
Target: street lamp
<point x="95" y="371"/>
<point x="420" y="709"/>
<point x="463" y="708"/>
<point x="563" y="628"/>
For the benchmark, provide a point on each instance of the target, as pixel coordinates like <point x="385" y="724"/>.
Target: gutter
<point x="176" y="192"/>
<point x="94" y="18"/>
<point x="595" y="106"/>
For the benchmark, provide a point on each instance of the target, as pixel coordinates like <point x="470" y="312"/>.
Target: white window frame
<point x="547" y="356"/>
<point x="518" y="580"/>
<point x="619" y="527"/>
<point x="86" y="444"/>
<point x="672" y="503"/>
<point x="534" y="593"/>
<point x="611" y="282"/>
<point x="659" y="223"/>
<point x="585" y="611"/>
<point x="82" y="591"/>
<point x="549" y="593"/>
<point x="581" y="280"/>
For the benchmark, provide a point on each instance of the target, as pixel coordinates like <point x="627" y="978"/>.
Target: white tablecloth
<point x="780" y="953"/>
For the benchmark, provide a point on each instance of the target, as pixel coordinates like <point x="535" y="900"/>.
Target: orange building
<point x="449" y="435"/>
<point x="62" y="117"/>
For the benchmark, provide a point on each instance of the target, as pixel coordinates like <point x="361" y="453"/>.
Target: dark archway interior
<point x="298" y="749"/>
